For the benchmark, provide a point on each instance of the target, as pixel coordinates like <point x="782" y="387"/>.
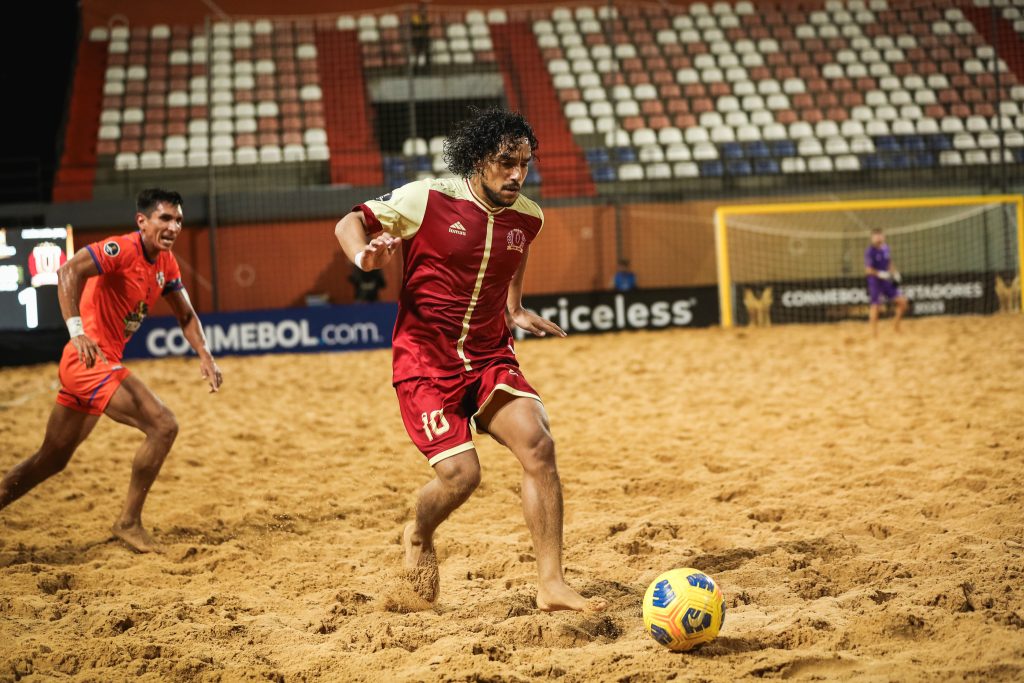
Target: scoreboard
<point x="29" y="259"/>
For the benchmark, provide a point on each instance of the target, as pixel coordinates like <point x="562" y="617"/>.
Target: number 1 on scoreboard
<point x="27" y="298"/>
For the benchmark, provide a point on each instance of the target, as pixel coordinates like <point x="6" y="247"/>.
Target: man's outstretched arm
<point x="193" y="331"/>
<point x="523" y="318"/>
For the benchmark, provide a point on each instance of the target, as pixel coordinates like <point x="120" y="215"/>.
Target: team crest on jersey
<point x="111" y="248"/>
<point x="516" y="240"/>
<point x="385" y="197"/>
<point x="160" y="279"/>
<point x="133" y="321"/>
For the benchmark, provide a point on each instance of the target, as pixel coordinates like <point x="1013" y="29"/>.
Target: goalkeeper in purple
<point x="882" y="280"/>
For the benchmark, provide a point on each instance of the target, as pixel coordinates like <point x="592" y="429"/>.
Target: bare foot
<point x="559" y="597"/>
<point x="135" y="537"/>
<point x="420" y="565"/>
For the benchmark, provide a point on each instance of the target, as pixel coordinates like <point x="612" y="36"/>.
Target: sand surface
<point x="861" y="504"/>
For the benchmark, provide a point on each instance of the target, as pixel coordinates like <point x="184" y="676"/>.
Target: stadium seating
<point x="172" y="97"/>
<point x="858" y="85"/>
<point x="628" y="93"/>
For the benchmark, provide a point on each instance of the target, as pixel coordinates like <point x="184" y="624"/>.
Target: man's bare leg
<point x="521" y="424"/>
<point x="901" y="308"/>
<point x="457" y="478"/>
<point x="65" y="430"/>
<point x="873" y="319"/>
<point x="135" y="405"/>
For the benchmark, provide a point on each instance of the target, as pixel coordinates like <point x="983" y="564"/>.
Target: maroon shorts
<point x="439" y="412"/>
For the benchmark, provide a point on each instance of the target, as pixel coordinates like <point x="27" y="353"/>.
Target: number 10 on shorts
<point x="434" y="424"/>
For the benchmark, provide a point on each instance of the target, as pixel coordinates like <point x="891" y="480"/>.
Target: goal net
<point x="805" y="262"/>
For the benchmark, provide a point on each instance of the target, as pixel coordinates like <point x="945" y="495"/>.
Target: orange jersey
<point x="115" y="302"/>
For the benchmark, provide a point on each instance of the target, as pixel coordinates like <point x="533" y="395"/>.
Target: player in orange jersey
<point x="105" y="291"/>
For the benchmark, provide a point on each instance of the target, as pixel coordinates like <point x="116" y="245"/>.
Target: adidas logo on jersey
<point x="457" y="228"/>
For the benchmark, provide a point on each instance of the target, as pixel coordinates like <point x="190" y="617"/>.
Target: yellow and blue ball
<point x="683" y="608"/>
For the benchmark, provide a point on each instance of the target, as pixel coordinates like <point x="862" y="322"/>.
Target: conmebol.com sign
<point x="290" y="330"/>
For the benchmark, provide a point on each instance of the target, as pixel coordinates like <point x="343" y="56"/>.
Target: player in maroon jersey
<point x="465" y="246"/>
<point x="105" y="292"/>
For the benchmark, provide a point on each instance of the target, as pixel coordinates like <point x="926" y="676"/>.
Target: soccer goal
<point x="804" y="262"/>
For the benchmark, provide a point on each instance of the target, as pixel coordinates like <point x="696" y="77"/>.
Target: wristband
<point x="75" y="326"/>
<point x="359" y="260"/>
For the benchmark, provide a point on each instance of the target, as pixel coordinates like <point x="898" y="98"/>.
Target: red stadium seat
<point x="781" y="73"/>
<point x="613" y="78"/>
<point x="695" y="90"/>
<point x="661" y="77"/>
<point x="840" y="85"/>
<point x="632" y="64"/>
<point x="961" y="81"/>
<point x="838" y="114"/>
<point x="701" y="105"/>
<point x="669" y="91"/>
<point x="867" y="83"/>
<point x="658" y="122"/>
<point x="719" y="89"/>
<point x="852" y="98"/>
<point x="632" y="123"/>
<point x="960" y="110"/>
<point x="684" y="121"/>
<point x="786" y="116"/>
<point x="802" y="100"/>
<point x="948" y="96"/>
<point x="680" y="62"/>
<point x="677" y="105"/>
<point x="811" y="115"/>
<point x="826" y="100"/>
<point x="985" y="109"/>
<point x="816" y="85"/>
<point x="649" y="50"/>
<point x="638" y="77"/>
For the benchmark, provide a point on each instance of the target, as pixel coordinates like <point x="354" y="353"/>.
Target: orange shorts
<point x="87" y="390"/>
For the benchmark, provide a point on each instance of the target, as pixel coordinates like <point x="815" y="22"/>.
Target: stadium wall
<point x="272" y="265"/>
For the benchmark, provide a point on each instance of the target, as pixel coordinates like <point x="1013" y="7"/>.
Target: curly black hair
<point x="486" y="133"/>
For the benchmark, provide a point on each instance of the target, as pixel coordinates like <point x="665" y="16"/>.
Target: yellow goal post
<point x="796" y="223"/>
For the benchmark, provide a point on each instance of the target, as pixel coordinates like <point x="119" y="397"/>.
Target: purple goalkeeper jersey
<point x="877" y="257"/>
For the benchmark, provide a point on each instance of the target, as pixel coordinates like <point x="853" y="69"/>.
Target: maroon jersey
<point x="459" y="259"/>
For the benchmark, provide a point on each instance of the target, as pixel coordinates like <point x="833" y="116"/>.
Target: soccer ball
<point x="683" y="608"/>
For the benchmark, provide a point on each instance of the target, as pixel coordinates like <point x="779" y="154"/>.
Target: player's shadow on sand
<point x="70" y="554"/>
<point x="727" y="645"/>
